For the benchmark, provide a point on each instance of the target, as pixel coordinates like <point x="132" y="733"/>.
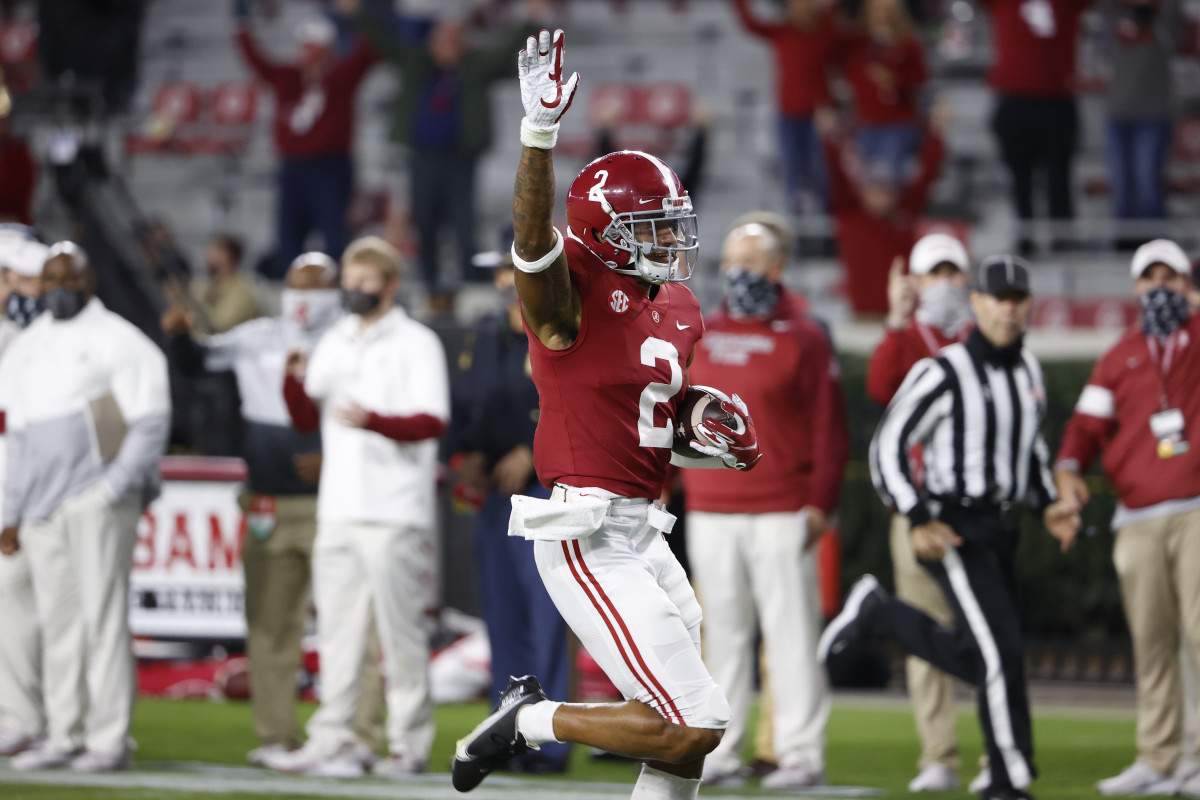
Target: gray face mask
<point x="946" y="307"/>
<point x="64" y="303"/>
<point x="358" y="302"/>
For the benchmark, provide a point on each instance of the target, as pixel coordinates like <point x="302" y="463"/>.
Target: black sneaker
<point x="1004" y="793"/>
<point x="495" y="740"/>
<point x="864" y="597"/>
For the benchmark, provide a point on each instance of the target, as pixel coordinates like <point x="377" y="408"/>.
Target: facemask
<point x="65" y="303"/>
<point x="1163" y="311"/>
<point x="357" y="302"/>
<point x="23" y="310"/>
<point x="311" y="309"/>
<point x="945" y="306"/>
<point x="750" y="294"/>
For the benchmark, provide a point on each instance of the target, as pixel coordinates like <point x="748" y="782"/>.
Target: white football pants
<point x="357" y="566"/>
<point x="80" y="559"/>
<point x="623" y="593"/>
<point x="21" y="708"/>
<point x="751" y="571"/>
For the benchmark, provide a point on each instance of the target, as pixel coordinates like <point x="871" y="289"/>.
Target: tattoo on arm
<point x="547" y="297"/>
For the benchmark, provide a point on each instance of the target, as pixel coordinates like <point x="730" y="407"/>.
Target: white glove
<point x="545" y="97"/>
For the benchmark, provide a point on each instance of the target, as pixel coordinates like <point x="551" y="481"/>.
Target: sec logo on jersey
<point x="619" y="301"/>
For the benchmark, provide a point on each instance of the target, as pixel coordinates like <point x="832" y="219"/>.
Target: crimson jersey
<point x="608" y="401"/>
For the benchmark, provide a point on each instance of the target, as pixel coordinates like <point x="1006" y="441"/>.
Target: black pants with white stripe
<point x="985" y="648"/>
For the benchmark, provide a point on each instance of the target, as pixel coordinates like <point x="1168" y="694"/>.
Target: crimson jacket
<point x="801" y="58"/>
<point x="1113" y="415"/>
<point x="785" y="369"/>
<point x="867" y="244"/>
<point x="316" y="121"/>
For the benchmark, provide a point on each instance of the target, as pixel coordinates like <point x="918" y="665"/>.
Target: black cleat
<point x="864" y="597"/>
<point x="495" y="741"/>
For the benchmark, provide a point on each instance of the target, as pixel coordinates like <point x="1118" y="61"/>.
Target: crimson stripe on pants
<point x="632" y="644"/>
<point x="611" y="630"/>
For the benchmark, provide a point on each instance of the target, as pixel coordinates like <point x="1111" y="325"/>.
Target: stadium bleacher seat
<point x="187" y="120"/>
<point x="18" y="54"/>
<point x="228" y="120"/>
<point x="174" y="114"/>
<point x="648" y="116"/>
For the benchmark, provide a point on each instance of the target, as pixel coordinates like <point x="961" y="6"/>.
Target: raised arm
<point x="550" y="305"/>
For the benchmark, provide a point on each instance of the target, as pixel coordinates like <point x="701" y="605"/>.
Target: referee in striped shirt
<point x="976" y="409"/>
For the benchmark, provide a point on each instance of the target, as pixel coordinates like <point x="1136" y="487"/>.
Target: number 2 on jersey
<point x="649" y="434"/>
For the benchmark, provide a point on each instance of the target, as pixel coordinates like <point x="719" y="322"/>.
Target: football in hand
<point x="696" y="406"/>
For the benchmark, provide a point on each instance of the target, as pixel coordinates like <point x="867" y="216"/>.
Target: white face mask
<point x="946" y="306"/>
<point x="313" y="310"/>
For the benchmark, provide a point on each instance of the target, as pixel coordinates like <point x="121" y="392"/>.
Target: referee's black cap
<point x="1004" y="275"/>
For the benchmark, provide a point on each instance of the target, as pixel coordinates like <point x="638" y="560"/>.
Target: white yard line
<point x="212" y="779"/>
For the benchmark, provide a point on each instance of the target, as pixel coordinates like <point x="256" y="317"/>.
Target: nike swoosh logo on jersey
<point x="681" y="326"/>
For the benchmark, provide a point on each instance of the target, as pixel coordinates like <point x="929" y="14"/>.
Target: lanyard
<point x="931" y="341"/>
<point x="1163" y="363"/>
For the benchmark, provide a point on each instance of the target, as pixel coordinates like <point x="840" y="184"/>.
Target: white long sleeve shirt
<point x="74" y="389"/>
<point x="396" y="367"/>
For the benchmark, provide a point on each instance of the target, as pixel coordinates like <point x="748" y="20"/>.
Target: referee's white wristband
<point x="542" y="263"/>
<point x="537" y="136"/>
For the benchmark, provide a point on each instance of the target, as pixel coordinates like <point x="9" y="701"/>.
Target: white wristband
<point x="535" y="136"/>
<point x="542" y="263"/>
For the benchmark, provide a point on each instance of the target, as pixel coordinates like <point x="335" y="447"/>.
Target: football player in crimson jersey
<point x="612" y="330"/>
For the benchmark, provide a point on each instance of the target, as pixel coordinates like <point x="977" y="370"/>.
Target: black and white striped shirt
<point x="976" y="411"/>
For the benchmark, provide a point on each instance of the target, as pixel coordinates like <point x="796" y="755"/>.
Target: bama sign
<point x="187" y="564"/>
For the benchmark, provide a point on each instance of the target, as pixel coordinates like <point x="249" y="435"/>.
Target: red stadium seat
<point x="175" y="110"/>
<point x="231" y="112"/>
<point x="18" y="53"/>
<point x="646" y="116"/>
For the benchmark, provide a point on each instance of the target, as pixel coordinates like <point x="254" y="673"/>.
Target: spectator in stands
<point x="284" y="465"/>
<point x="495" y="416"/>
<point x="22" y="713"/>
<point x="313" y="130"/>
<point x="750" y="540"/>
<point x="804" y="46"/>
<point x="884" y="63"/>
<point x="442" y="117"/>
<point x="1146" y="35"/>
<point x="225" y="298"/>
<point x="927" y="309"/>
<point x="380" y="380"/>
<point x="1036" y="122"/>
<point x="1141" y="408"/>
<point x="876" y="210"/>
<point x="18" y="171"/>
<point x="88" y="413"/>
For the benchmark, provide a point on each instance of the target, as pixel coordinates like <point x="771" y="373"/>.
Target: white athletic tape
<point x="533" y="267"/>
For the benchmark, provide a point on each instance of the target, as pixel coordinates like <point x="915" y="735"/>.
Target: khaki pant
<point x="278" y="570"/>
<point x="1158" y="563"/>
<point x="931" y="690"/>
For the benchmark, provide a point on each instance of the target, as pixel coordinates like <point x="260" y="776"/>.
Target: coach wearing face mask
<point x="377" y="386"/>
<point x="929" y="308"/>
<point x="22" y="718"/>
<point x="284" y="465"/>
<point x="88" y="413"/>
<point x="1141" y="408"/>
<point x="21" y="263"/>
<point x="750" y="539"/>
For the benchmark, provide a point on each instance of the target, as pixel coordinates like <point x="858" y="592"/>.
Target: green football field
<point x="871" y="744"/>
